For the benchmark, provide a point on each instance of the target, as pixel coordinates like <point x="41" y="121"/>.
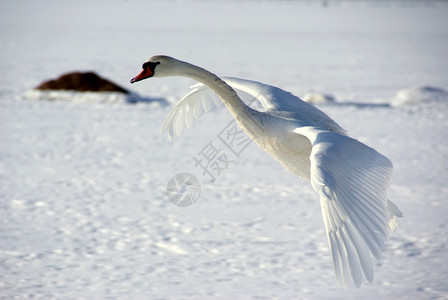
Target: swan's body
<point x="351" y="178"/>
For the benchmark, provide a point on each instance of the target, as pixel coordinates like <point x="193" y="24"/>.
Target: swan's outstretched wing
<point x="352" y="180"/>
<point x="199" y="100"/>
<point x="283" y="104"/>
<point x="271" y="97"/>
<point x="274" y="100"/>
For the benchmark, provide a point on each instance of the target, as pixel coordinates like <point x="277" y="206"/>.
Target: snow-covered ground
<point x="83" y="207"/>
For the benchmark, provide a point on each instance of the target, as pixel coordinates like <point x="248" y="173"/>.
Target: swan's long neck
<point x="228" y="95"/>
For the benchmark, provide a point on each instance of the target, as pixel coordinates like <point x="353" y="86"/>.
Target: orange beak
<point x="146" y="73"/>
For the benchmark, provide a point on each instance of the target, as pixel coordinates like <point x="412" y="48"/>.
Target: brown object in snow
<point x="79" y="81"/>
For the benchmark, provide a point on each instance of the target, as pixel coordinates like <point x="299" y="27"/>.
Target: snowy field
<point x="83" y="207"/>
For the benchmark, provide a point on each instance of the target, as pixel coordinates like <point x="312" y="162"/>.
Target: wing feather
<point x="193" y="105"/>
<point x="202" y="99"/>
<point x="284" y="104"/>
<point x="352" y="180"/>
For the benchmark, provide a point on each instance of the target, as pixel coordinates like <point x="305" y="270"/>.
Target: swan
<point x="351" y="178"/>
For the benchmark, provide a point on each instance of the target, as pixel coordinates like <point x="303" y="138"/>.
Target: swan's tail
<point x="393" y="213"/>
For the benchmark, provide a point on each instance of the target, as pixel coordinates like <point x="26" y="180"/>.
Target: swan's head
<point x="158" y="66"/>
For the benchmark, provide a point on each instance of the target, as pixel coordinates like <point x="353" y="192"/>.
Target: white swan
<point x="351" y="178"/>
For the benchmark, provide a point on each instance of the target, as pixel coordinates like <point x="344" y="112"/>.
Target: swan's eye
<point x="151" y="65"/>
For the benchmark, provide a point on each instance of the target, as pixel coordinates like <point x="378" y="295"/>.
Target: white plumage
<point x="351" y="178"/>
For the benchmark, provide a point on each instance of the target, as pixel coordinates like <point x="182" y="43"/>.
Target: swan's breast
<point x="291" y="150"/>
<point x="293" y="153"/>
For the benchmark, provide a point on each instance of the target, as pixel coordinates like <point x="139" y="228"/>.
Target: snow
<point x="317" y="97"/>
<point x="99" y="97"/>
<point x="419" y="95"/>
<point x="83" y="207"/>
